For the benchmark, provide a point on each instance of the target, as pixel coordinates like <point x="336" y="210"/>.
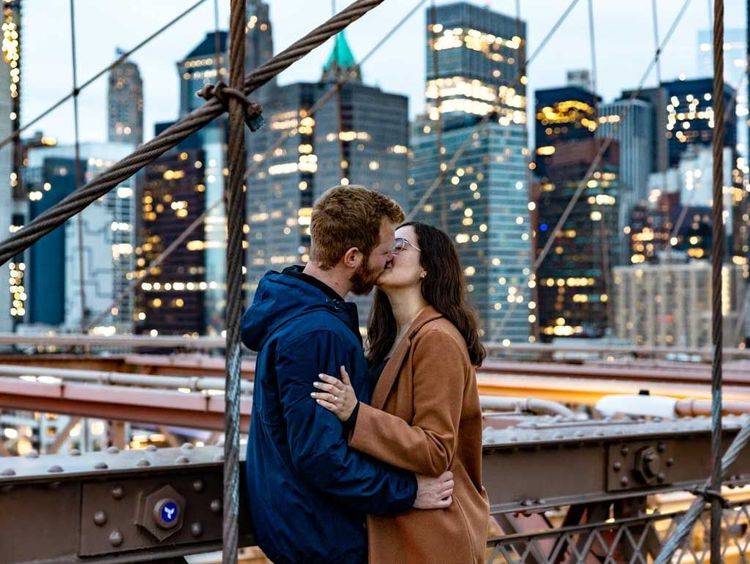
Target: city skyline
<point x="157" y="61"/>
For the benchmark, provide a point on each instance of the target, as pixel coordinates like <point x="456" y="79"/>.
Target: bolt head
<point x="624" y="450"/>
<point x="115" y="537"/>
<point x="216" y="506"/>
<point x="100" y="518"/>
<point x="198" y="486"/>
<point x="117" y="492"/>
<point x="196" y="529"/>
<point x="624" y="481"/>
<point x="617" y="466"/>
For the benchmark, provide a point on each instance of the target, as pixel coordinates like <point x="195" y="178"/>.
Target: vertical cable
<point x="234" y="211"/>
<point x="603" y="234"/>
<point x="717" y="256"/>
<point x="438" y="125"/>
<point x="81" y="289"/>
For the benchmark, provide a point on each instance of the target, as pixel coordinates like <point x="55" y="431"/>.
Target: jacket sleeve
<point x="427" y="445"/>
<point x="317" y="440"/>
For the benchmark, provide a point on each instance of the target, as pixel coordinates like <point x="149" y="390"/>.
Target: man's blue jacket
<point x="308" y="492"/>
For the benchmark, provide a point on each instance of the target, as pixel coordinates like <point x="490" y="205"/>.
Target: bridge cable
<point x="77" y="175"/>
<point x="234" y="195"/>
<point x="438" y="125"/>
<point x="117" y="62"/>
<point x="187" y="125"/>
<point x="717" y="259"/>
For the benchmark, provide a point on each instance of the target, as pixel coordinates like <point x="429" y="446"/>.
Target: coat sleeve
<point x="317" y="440"/>
<point x="427" y="445"/>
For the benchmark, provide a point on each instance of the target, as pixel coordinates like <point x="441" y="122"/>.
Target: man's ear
<point x="352" y="258"/>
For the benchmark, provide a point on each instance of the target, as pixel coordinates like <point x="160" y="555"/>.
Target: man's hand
<point x="434" y="493"/>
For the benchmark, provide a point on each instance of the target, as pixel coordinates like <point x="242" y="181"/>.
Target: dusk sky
<point x="623" y="36"/>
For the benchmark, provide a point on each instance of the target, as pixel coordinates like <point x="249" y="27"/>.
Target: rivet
<point x="151" y="448"/>
<point x="559" y="436"/>
<point x="670" y="461"/>
<point x="100" y="466"/>
<point x="661" y="477"/>
<point x="117" y="492"/>
<point x="219" y="458"/>
<point x="187" y="446"/>
<point x="514" y="439"/>
<point x="616" y="466"/>
<point x="142" y="463"/>
<point x="196" y="529"/>
<point x="55" y="468"/>
<point x="115" y="538"/>
<point x="100" y="518"/>
<point x="32" y="454"/>
<point x="8" y="472"/>
<point x="536" y="438"/>
<point x="579" y="434"/>
<point x="113" y="450"/>
<point x="624" y="450"/>
<point x="216" y="506"/>
<point x="74" y="452"/>
<point x="661" y="447"/>
<point x="198" y="486"/>
<point x="624" y="481"/>
<point x="182" y="460"/>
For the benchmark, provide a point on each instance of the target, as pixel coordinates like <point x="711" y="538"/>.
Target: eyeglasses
<point x="400" y="244"/>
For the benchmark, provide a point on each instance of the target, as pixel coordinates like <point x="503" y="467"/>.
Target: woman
<point x="425" y="415"/>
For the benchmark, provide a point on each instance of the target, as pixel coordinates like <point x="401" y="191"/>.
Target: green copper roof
<point x="341" y="56"/>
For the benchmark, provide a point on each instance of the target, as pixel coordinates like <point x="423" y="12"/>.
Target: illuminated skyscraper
<point x="483" y="199"/>
<point x="125" y="104"/>
<point x="358" y="136"/>
<point x="574" y="280"/>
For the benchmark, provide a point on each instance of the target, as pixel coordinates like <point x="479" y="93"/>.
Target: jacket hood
<point x="282" y="297"/>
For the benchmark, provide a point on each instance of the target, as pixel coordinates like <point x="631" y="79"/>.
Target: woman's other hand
<point x="337" y="396"/>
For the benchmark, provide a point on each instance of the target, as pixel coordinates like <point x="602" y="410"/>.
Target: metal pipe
<point x="195" y="383"/>
<point x="532" y="405"/>
<point x="124" y="341"/>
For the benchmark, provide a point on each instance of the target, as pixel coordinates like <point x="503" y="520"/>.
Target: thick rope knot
<point x="253" y="111"/>
<point x="709" y="494"/>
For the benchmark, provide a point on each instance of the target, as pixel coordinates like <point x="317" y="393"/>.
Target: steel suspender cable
<point x="438" y="127"/>
<point x="77" y="171"/>
<point x="234" y="196"/>
<point x="717" y="259"/>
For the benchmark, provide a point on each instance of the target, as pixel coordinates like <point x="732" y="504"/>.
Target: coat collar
<point x="393" y="366"/>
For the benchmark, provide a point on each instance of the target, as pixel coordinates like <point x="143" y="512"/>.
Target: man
<point x="308" y="493"/>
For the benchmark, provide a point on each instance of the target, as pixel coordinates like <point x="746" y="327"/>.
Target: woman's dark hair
<point x="444" y="288"/>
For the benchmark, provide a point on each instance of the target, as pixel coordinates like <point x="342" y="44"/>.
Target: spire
<point x="341" y="61"/>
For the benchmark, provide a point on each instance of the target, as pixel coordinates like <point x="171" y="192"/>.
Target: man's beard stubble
<point x="364" y="279"/>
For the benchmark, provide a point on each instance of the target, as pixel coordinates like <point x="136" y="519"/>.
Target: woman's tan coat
<point x="425" y="417"/>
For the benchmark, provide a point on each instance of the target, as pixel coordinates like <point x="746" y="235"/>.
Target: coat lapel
<point x="393" y="366"/>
